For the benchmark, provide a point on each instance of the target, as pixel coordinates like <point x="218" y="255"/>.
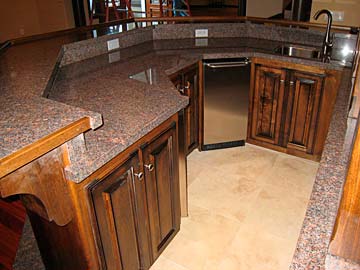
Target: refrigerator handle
<point x="226" y="65"/>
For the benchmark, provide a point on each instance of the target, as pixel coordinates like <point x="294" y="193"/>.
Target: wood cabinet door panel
<point x="162" y="188"/>
<point x="192" y="111"/>
<point x="268" y="94"/>
<point x="116" y="216"/>
<point x="302" y="111"/>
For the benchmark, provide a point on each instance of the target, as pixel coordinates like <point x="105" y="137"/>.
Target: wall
<point x="263" y="9"/>
<point x="351" y="9"/>
<point x="25" y="18"/>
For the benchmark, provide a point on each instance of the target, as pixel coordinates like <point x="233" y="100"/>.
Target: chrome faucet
<point x="327" y="44"/>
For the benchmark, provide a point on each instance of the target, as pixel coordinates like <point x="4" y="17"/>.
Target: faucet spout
<point x="327" y="44"/>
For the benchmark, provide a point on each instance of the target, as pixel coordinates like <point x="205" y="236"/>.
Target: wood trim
<point x="183" y="166"/>
<point x="201" y="105"/>
<point x="346" y="234"/>
<point x="43" y="188"/>
<point x="289" y="65"/>
<point x="30" y="152"/>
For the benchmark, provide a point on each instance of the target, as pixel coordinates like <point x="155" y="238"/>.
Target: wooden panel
<point x="346" y="234"/>
<point x="60" y="246"/>
<point x="302" y="111"/>
<point x="187" y="82"/>
<point x="162" y="187"/>
<point x="267" y="101"/>
<point x="12" y="219"/>
<point x="201" y="105"/>
<point x="183" y="166"/>
<point x="45" y="187"/>
<point x="117" y="218"/>
<point x="191" y="88"/>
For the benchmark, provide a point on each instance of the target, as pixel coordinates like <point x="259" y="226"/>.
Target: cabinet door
<point x="302" y="111"/>
<point x="118" y="202"/>
<point x="191" y="89"/>
<point x="162" y="188"/>
<point x="267" y="102"/>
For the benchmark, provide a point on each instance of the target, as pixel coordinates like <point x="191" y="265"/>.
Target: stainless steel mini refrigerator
<point x="226" y="98"/>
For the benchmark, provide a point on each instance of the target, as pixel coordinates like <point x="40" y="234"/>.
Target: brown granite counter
<point x="113" y="85"/>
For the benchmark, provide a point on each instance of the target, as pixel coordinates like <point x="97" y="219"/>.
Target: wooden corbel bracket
<point x="42" y="187"/>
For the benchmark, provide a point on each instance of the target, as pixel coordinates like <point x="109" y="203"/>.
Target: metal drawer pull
<point x="139" y="175"/>
<point x="228" y="64"/>
<point x="291" y="83"/>
<point x="187" y="85"/>
<point x="150" y="167"/>
<point x="282" y="81"/>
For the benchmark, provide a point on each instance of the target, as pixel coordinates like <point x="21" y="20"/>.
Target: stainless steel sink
<point x="299" y="51"/>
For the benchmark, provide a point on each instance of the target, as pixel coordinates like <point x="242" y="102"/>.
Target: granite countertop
<point x="88" y="81"/>
<point x="115" y="85"/>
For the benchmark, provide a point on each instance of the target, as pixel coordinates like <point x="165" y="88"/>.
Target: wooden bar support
<point x="42" y="187"/>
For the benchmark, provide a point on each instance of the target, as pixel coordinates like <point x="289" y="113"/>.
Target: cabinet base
<point x="222" y="145"/>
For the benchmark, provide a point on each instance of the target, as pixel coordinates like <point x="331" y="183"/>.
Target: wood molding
<point x="346" y="234"/>
<point x="288" y="65"/>
<point x="35" y="150"/>
<point x="43" y="188"/>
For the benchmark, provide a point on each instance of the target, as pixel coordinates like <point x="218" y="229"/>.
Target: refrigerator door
<point x="226" y="90"/>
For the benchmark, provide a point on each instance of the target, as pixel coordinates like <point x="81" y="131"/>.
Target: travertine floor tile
<point x="278" y="211"/>
<point x="246" y="208"/>
<point x="203" y="236"/>
<point x="253" y="249"/>
<point x="226" y="194"/>
<point x="165" y="264"/>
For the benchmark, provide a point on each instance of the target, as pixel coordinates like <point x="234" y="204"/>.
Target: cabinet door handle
<point x="291" y="83"/>
<point x="139" y="175"/>
<point x="282" y="81"/>
<point x="150" y="167"/>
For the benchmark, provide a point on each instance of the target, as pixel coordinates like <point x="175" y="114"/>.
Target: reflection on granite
<point x="149" y="76"/>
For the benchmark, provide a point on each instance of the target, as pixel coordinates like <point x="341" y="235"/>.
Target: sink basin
<point x="299" y="51"/>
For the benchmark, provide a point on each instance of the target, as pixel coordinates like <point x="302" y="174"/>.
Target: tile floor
<point x="246" y="208"/>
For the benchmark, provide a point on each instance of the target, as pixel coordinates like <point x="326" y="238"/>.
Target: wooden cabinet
<point x="267" y="97"/>
<point x="137" y="206"/>
<point x="290" y="107"/>
<point x="162" y="189"/>
<point x="187" y="83"/>
<point x="303" y="110"/>
<point x="118" y="201"/>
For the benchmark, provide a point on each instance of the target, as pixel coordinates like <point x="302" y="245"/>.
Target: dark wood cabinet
<point x="290" y="107"/>
<point x="162" y="188"/>
<point x="305" y="91"/>
<point x="136" y="207"/>
<point x="118" y="202"/>
<point x="267" y="102"/>
<point x="187" y="83"/>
